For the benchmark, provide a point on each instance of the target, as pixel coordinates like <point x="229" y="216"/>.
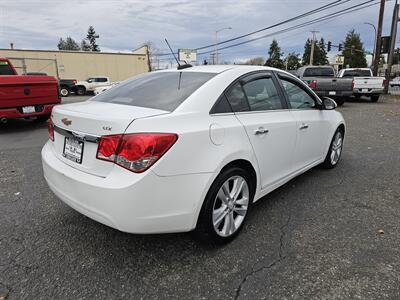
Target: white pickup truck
<point x="364" y="84"/>
<point x="90" y="84"/>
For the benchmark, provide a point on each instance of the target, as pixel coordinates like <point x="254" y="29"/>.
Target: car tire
<point x="374" y="98"/>
<point x="42" y="118"/>
<point x="64" y="91"/>
<point x="339" y="101"/>
<point x="219" y="210"/>
<point x="335" y="150"/>
<point x="80" y="91"/>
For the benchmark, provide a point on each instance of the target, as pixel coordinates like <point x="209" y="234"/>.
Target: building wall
<point x="78" y="64"/>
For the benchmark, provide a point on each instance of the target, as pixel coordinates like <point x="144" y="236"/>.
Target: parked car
<point x="323" y="81"/>
<point x="192" y="149"/>
<point x="67" y="86"/>
<point x="25" y="96"/>
<point x="395" y="82"/>
<point x="102" y="89"/>
<point x="89" y="85"/>
<point x="365" y="83"/>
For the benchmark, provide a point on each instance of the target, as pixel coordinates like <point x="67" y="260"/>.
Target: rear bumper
<point x="337" y="93"/>
<point x="368" y="91"/>
<point x="129" y="202"/>
<point x="16" y="113"/>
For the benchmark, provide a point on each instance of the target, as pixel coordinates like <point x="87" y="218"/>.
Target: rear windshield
<point x="159" y="90"/>
<point x="318" y="72"/>
<point x="5" y="68"/>
<point x="357" y="73"/>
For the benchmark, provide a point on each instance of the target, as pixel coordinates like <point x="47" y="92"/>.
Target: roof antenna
<point x="180" y="67"/>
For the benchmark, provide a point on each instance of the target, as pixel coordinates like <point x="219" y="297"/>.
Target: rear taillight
<point x="74" y="81"/>
<point x="137" y="151"/>
<point x="352" y="85"/>
<point x="384" y="83"/>
<point x="50" y="127"/>
<point x="313" y="84"/>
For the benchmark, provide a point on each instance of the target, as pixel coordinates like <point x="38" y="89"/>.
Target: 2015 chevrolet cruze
<point x="178" y="150"/>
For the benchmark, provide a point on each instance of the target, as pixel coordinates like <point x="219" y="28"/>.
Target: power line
<point x="308" y="13"/>
<point x="301" y="25"/>
<point x="320" y="19"/>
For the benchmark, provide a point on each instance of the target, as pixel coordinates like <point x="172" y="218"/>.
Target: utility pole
<point x="393" y="34"/>
<point x="312" y="47"/>
<point x="377" y="52"/>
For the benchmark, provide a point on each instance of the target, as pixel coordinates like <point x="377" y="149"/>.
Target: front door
<point x="310" y="120"/>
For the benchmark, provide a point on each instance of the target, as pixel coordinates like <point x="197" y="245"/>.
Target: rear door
<point x="311" y="122"/>
<point x="270" y="127"/>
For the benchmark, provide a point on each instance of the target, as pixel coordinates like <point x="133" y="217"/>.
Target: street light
<point x="216" y="44"/>
<point x="373" y="52"/>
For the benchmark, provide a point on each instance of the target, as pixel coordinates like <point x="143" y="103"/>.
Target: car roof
<point x="220" y="68"/>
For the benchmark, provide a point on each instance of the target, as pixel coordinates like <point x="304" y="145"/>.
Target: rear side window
<point x="5" y="68"/>
<point x="159" y="90"/>
<point x="262" y="95"/>
<point x="237" y="98"/>
<point x="318" y="72"/>
<point x="357" y="73"/>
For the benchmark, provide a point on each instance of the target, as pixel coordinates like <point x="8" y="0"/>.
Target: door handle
<point x="261" y="130"/>
<point x="303" y="126"/>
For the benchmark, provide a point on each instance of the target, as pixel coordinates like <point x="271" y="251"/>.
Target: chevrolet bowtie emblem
<point x="66" y="121"/>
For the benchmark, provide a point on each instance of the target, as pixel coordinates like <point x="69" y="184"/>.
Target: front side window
<point x="158" y="90"/>
<point x="297" y="96"/>
<point x="262" y="95"/>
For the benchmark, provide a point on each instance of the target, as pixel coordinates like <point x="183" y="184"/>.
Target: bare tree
<point x="256" y="61"/>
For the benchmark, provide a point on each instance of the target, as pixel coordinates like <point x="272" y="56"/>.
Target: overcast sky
<point x="124" y="25"/>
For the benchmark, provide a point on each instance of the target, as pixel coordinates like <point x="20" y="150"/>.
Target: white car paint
<point x="168" y="197"/>
<point x="94" y="82"/>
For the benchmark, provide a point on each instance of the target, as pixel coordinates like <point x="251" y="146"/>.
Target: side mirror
<point x="328" y="103"/>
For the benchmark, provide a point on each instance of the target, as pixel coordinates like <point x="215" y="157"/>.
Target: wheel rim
<point x="64" y="92"/>
<point x="336" y="150"/>
<point x="230" y="206"/>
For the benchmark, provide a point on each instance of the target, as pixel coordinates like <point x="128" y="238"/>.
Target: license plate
<point x="332" y="93"/>
<point x="28" y="109"/>
<point x="73" y="149"/>
<point x="364" y="90"/>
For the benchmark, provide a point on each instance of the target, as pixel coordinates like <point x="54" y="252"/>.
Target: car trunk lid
<point x="79" y="126"/>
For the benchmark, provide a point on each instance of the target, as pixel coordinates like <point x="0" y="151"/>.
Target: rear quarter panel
<point x="205" y="143"/>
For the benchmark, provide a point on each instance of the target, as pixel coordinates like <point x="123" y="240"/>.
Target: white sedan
<point x="188" y="149"/>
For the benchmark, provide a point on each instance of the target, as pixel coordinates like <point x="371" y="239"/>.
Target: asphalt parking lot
<point x="328" y="234"/>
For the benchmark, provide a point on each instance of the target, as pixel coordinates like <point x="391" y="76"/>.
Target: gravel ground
<point x="324" y="235"/>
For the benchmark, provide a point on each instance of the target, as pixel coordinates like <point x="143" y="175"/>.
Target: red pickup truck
<point x="23" y="96"/>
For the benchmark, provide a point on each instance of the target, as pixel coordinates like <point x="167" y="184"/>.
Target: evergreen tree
<point x="306" y="53"/>
<point x="320" y="55"/>
<point x="292" y="61"/>
<point x="353" y="51"/>
<point x="85" y="46"/>
<point x="322" y="58"/>
<point x="68" y="44"/>
<point x="91" y="37"/>
<point x="275" y="54"/>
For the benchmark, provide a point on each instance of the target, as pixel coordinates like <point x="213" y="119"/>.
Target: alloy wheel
<point x="230" y="206"/>
<point x="336" y="150"/>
